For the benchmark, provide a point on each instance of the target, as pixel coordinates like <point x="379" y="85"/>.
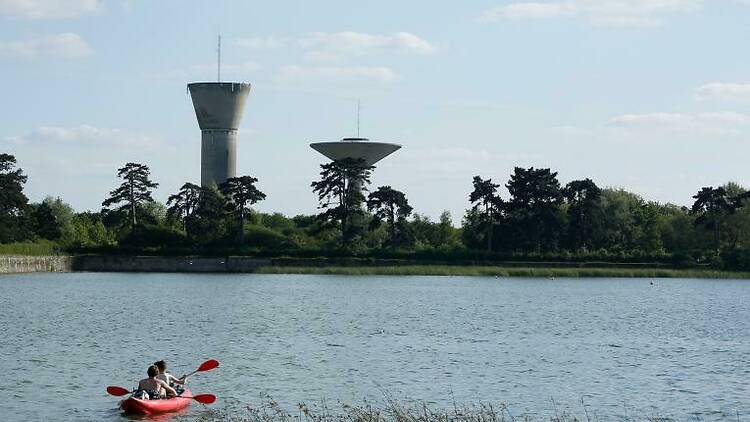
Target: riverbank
<point x="502" y="271"/>
<point x="350" y="267"/>
<point x="12" y="264"/>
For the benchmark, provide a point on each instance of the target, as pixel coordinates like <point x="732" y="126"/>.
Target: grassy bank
<point x="494" y="271"/>
<point x="38" y="248"/>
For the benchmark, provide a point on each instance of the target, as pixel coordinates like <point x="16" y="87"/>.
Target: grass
<point x="495" y="271"/>
<point x="393" y="411"/>
<point x="38" y="248"/>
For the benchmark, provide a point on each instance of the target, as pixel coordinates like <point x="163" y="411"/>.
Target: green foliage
<point x="29" y="248"/>
<point x="534" y="209"/>
<point x="182" y="205"/>
<point x="14" y="224"/>
<point x="484" y="197"/>
<point x="134" y="192"/>
<point x="390" y="205"/>
<point x="146" y="236"/>
<point x="340" y="194"/>
<point x="240" y="193"/>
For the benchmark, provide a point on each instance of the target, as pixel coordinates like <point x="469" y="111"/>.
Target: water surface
<point x="626" y="348"/>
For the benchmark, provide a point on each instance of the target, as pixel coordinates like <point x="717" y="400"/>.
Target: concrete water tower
<point x="218" y="107"/>
<point x="356" y="148"/>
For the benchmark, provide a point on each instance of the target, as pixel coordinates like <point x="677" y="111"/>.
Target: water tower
<point x="218" y="107"/>
<point x="356" y="148"/>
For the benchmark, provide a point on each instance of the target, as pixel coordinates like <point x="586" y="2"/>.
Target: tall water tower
<point x="218" y="107"/>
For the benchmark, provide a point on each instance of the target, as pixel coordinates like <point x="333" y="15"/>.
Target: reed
<point x="38" y="248"/>
<point x="393" y="411"/>
<point x="494" y="271"/>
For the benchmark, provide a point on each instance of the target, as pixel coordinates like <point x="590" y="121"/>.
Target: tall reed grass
<point x="493" y="271"/>
<point x="394" y="411"/>
<point x="37" y="248"/>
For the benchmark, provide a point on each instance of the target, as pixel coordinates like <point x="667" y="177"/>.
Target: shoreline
<point x="504" y="272"/>
<point x="15" y="264"/>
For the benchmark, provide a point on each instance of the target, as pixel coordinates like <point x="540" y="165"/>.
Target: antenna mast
<point x="218" y="60"/>
<point x="358" y="107"/>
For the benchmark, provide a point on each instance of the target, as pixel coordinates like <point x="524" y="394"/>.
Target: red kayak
<point x="152" y="407"/>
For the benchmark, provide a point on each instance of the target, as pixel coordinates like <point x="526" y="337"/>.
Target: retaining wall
<point x="32" y="264"/>
<point x="158" y="264"/>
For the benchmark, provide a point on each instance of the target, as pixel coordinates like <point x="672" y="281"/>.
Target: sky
<point x="652" y="96"/>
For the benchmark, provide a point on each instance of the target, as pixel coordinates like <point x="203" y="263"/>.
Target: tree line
<point x="538" y="219"/>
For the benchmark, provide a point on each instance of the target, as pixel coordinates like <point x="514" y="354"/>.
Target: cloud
<point x="332" y="46"/>
<point x="336" y="73"/>
<point x="611" y="13"/>
<point x="47" y="9"/>
<point x="726" y="122"/>
<point x="730" y="91"/>
<point x="259" y="43"/>
<point x="66" y="46"/>
<point x="85" y="136"/>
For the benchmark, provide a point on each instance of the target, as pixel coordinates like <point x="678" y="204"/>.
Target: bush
<point x="149" y="236"/>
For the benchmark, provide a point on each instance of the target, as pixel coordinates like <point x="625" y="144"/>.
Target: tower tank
<point x="218" y="107"/>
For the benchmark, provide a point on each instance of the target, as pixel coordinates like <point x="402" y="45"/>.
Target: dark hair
<point x="161" y="365"/>
<point x="152" y="371"/>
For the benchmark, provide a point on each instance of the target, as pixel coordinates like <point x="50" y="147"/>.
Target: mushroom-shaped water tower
<point x="356" y="148"/>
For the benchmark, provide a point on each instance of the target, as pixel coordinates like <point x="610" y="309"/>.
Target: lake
<point x="625" y="347"/>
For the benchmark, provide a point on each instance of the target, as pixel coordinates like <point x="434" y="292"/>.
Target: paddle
<point x="200" y="398"/>
<point x="205" y="366"/>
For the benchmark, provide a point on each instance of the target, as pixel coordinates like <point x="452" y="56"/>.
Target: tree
<point x="484" y="197"/>
<point x="45" y="222"/>
<point x="711" y="208"/>
<point x="241" y="193"/>
<point x="390" y="205"/>
<point x="534" y="207"/>
<point x="13" y="202"/>
<point x="339" y="192"/>
<point x="133" y="193"/>
<point x="583" y="198"/>
<point x="182" y="205"/>
<point x="209" y="222"/>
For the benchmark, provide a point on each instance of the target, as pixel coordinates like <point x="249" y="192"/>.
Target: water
<point x="626" y="348"/>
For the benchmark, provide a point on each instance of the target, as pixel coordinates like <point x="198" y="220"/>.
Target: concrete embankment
<point x="159" y="264"/>
<point x="31" y="264"/>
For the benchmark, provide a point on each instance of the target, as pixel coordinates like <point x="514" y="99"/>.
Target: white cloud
<point x="331" y="46"/>
<point x="59" y="46"/>
<point x="336" y="73"/>
<point x="731" y="91"/>
<point x="726" y="122"/>
<point x="47" y="9"/>
<point x="259" y="43"/>
<point x="612" y="13"/>
<point x="84" y="135"/>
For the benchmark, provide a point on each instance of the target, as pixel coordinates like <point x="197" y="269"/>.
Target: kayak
<point x="151" y="407"/>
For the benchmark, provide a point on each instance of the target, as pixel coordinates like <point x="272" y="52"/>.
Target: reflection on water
<point x="624" y="347"/>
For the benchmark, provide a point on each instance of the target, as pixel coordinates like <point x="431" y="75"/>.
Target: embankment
<point x="31" y="264"/>
<point x="345" y="266"/>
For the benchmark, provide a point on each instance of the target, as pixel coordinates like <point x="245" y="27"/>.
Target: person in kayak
<point x="170" y="379"/>
<point x="153" y="387"/>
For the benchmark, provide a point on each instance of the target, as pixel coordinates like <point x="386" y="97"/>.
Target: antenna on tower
<point x="358" y="107"/>
<point x="218" y="60"/>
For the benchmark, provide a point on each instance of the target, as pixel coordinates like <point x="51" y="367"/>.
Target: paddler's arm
<point x="170" y="390"/>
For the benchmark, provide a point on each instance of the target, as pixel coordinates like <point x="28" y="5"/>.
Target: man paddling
<point x="170" y="379"/>
<point x="153" y="387"/>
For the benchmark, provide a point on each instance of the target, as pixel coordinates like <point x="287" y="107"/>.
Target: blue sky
<point x="649" y="95"/>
